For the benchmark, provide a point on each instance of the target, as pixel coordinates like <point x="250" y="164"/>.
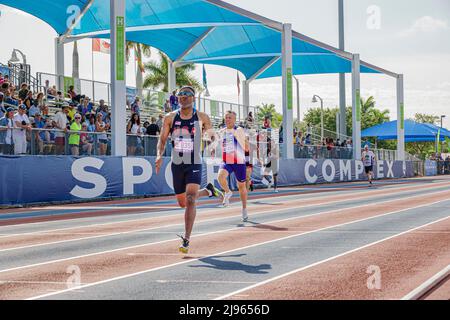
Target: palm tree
<point x="141" y="50"/>
<point x="269" y="111"/>
<point x="158" y="74"/>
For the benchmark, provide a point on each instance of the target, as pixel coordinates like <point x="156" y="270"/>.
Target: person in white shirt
<point x="21" y="125"/>
<point x="368" y="158"/>
<point x="60" y="123"/>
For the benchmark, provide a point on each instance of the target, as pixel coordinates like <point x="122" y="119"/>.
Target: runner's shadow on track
<point x="215" y="263"/>
<point x="257" y="225"/>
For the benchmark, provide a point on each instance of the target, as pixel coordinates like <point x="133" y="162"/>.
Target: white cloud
<point x="425" y="24"/>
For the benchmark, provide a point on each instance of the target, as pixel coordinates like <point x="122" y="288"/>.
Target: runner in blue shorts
<point x="186" y="127"/>
<point x="234" y="145"/>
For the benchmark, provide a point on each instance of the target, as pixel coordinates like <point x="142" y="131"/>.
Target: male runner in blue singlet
<point x="186" y="127"/>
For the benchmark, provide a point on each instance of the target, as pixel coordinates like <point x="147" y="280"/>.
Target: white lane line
<point x="300" y="196"/>
<point x="325" y="260"/>
<point x="214" y="220"/>
<point x="173" y="225"/>
<point x="428" y="285"/>
<point x="210" y="233"/>
<point x="239" y="249"/>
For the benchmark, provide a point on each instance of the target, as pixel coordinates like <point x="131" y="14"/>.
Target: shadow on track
<point x="216" y="263"/>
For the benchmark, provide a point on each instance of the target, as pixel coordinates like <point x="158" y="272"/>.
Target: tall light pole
<point x="442" y="143"/>
<point x="342" y="98"/>
<point x="14" y="58"/>
<point x="314" y="100"/>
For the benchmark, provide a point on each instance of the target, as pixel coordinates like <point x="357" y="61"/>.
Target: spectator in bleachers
<point x="40" y="103"/>
<point x="153" y="129"/>
<point x="72" y="94"/>
<point x="174" y="101"/>
<point x="2" y="106"/>
<point x="29" y="100"/>
<point x="167" y="107"/>
<point x="133" y="130"/>
<point x="1" y="78"/>
<point x="52" y="93"/>
<point x="86" y="141"/>
<point x="74" y="138"/>
<point x="159" y="123"/>
<point x="6" y="134"/>
<point x="9" y="99"/>
<point x="84" y="107"/>
<point x="23" y="92"/>
<point x="101" y="127"/>
<point x="60" y="123"/>
<point x="59" y="97"/>
<point x="136" y="106"/>
<point x="72" y="111"/>
<point x="39" y="136"/>
<point x="33" y="110"/>
<point x="103" y="110"/>
<point x="22" y="125"/>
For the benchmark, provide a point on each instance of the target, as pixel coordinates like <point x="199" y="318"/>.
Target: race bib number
<point x="229" y="144"/>
<point x="184" y="146"/>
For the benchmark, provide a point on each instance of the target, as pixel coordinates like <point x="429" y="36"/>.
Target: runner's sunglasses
<point x="185" y="94"/>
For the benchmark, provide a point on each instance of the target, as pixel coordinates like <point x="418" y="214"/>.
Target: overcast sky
<point x="411" y="37"/>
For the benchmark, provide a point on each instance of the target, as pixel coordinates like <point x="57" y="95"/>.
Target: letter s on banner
<point x="129" y="179"/>
<point x="79" y="173"/>
<point x="310" y="178"/>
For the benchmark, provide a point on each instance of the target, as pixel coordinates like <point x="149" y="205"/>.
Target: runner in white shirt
<point x="21" y="125"/>
<point x="368" y="158"/>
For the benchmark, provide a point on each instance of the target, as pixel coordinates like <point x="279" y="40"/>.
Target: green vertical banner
<point x="68" y="81"/>
<point x="120" y="48"/>
<point x="161" y="99"/>
<point x="214" y="105"/>
<point x="402" y="116"/>
<point x="290" y="96"/>
<point x="358" y="105"/>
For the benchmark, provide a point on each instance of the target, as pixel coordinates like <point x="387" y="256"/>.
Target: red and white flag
<point x="99" y="45"/>
<point x="238" y="84"/>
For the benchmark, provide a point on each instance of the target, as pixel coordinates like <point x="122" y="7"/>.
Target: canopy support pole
<point x="288" y="149"/>
<point x="246" y="97"/>
<point x="400" y="119"/>
<point x="59" y="65"/>
<point x="172" y="85"/>
<point x="118" y="78"/>
<point x="356" y="106"/>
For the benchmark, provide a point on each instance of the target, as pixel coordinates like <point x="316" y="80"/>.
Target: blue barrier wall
<point x="430" y="168"/>
<point x="26" y="180"/>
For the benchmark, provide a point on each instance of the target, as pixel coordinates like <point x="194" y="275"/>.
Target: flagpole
<point x="92" y="50"/>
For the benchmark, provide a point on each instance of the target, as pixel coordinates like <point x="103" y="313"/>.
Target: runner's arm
<point x="165" y="131"/>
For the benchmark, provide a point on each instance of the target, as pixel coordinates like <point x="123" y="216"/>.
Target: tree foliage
<point x="269" y="110"/>
<point x="158" y="75"/>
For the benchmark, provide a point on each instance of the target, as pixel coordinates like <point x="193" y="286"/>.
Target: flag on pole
<point x="205" y="82"/>
<point x="238" y="84"/>
<point x="99" y="45"/>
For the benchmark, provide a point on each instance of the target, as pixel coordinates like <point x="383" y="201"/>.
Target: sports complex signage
<point x="76" y="179"/>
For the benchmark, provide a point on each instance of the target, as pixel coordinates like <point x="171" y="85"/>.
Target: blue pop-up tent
<point x="414" y="132"/>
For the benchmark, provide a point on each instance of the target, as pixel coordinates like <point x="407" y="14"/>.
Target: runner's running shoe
<point x="184" y="248"/>
<point x="226" y="199"/>
<point x="244" y="215"/>
<point x="214" y="191"/>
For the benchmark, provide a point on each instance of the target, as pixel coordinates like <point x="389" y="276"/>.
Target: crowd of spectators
<point x="443" y="163"/>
